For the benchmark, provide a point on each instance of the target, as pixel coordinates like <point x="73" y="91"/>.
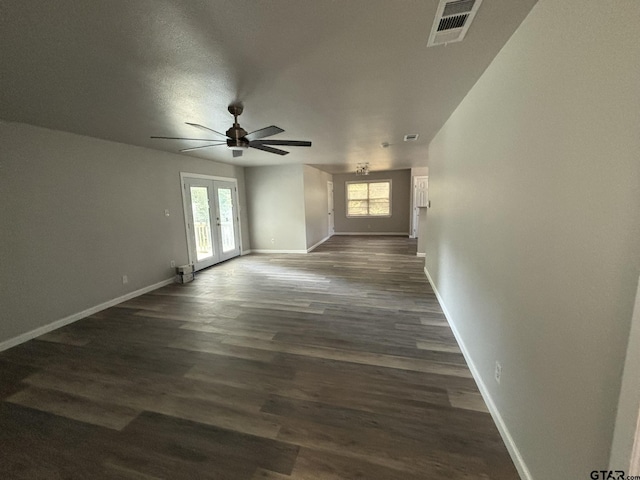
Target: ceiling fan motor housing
<point x="235" y="138"/>
<point x="236" y="134"/>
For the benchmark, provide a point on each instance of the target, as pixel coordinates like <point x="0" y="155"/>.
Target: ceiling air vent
<point x="411" y="137"/>
<point x="452" y="21"/>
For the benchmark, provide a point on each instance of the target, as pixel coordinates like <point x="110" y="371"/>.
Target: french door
<point x="211" y="219"/>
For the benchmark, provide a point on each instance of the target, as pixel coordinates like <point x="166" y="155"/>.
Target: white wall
<point x="532" y="238"/>
<point x="275" y="198"/>
<point x="316" y="204"/>
<point x="77" y="213"/>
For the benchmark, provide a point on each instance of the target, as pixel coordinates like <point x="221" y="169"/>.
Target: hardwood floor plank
<point x="224" y="346"/>
<point x="312" y="464"/>
<point x="94" y="411"/>
<point x="59" y="336"/>
<point x="229" y="408"/>
<point x="143" y="393"/>
<point x="11" y="376"/>
<point x="211" y="444"/>
<point x="467" y="400"/>
<point x="356" y="343"/>
<point x="417" y="458"/>
<point x="238" y="332"/>
<point x="366" y="358"/>
<point x="264" y="474"/>
<point x="40" y="445"/>
<point x="437" y="346"/>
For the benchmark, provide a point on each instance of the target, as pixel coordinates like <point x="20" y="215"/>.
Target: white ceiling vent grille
<point x="411" y="137"/>
<point x="452" y="21"/>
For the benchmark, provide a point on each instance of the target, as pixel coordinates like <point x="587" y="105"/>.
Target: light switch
<point x="166" y="212"/>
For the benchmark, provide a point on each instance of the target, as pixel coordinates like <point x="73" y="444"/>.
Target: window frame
<point x="346" y="197"/>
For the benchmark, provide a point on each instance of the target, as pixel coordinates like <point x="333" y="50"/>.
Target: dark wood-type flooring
<point x="338" y="364"/>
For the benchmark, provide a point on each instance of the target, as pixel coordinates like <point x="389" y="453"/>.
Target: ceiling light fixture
<point x="362" y="169"/>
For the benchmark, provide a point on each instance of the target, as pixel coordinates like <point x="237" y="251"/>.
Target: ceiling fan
<point x="238" y="140"/>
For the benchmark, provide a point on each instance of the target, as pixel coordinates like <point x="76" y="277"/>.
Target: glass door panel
<point x="225" y="205"/>
<point x="227" y="219"/>
<point x="201" y="222"/>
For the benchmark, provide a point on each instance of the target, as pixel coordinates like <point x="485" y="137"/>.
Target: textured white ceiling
<point x="345" y="74"/>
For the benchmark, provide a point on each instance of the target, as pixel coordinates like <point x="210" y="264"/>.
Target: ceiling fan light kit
<point x="237" y="139"/>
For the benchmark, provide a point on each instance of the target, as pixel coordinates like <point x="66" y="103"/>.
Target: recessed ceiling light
<point x="411" y="137"/>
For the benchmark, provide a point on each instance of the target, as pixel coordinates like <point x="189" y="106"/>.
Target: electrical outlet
<point x="173" y="263"/>
<point x="498" y="372"/>
<point x="125" y="279"/>
<point x="166" y="212"/>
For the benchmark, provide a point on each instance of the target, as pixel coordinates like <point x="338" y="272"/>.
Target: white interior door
<point x="332" y="228"/>
<point x="212" y="220"/>
<point x="420" y="199"/>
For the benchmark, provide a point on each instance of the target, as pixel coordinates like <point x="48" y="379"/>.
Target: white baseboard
<point x="516" y="456"/>
<point x="312" y="248"/>
<point x="262" y="250"/>
<point x="12" y="342"/>
<point x="397" y="234"/>
<point x="277" y="251"/>
<point x="421" y="254"/>
<point x="245" y="252"/>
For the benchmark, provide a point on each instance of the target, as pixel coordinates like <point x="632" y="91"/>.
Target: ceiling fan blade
<point x="263" y="132"/>
<point x="266" y="148"/>
<point x="203" y="146"/>
<point x="202" y="127"/>
<point x="195" y="139"/>
<point x="237" y="153"/>
<point x="291" y="143"/>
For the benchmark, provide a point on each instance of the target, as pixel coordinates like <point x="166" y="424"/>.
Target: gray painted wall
<point x="400" y="204"/>
<point x="316" y="204"/>
<point x="78" y="213"/>
<point x="275" y="198"/>
<point x="532" y="238"/>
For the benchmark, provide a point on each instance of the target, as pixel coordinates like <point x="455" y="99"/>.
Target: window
<point x="369" y="199"/>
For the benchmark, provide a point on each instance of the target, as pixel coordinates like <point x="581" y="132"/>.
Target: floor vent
<point x="452" y="21"/>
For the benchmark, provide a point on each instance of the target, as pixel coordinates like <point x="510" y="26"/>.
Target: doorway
<point x="211" y="219"/>
<point x="420" y="199"/>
